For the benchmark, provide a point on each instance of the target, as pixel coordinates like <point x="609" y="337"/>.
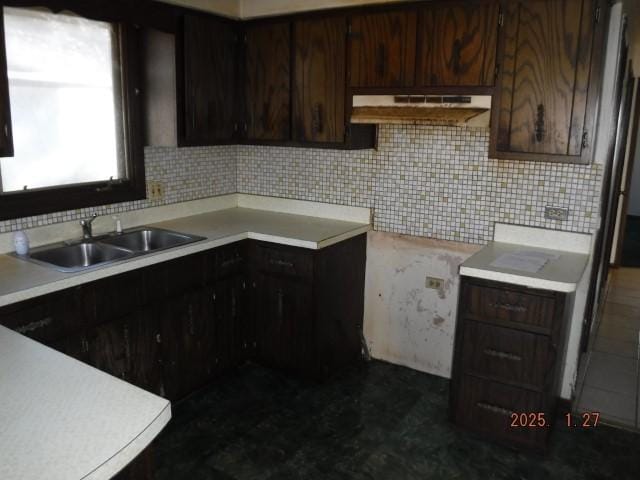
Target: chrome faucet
<point x="87" y="230"/>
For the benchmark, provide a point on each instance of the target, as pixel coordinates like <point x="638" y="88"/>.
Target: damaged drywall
<point x="406" y="322"/>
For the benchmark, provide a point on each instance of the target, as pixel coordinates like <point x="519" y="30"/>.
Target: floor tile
<point x="621" y="320"/>
<point x="613" y="373"/>
<point x="621" y="310"/>
<point x="624" y="349"/>
<point x="374" y="422"/>
<point x="616" y="331"/>
<point x="618" y="406"/>
<point x="629" y="300"/>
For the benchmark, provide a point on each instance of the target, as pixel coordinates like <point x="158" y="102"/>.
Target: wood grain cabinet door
<point x="457" y="44"/>
<point x="208" y="93"/>
<point x="268" y="82"/>
<point x="546" y="99"/>
<point x="383" y="49"/>
<point x="319" y="79"/>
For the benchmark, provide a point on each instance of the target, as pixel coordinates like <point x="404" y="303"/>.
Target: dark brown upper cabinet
<point x="383" y="49"/>
<point x="547" y="90"/>
<point x="268" y="81"/>
<point x="457" y="44"/>
<point x="207" y="85"/>
<point x="6" y="139"/>
<point x="319" y="80"/>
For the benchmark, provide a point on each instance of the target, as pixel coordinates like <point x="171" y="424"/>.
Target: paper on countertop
<point x="524" y="261"/>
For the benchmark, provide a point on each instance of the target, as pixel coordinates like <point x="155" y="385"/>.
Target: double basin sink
<point x="107" y="249"/>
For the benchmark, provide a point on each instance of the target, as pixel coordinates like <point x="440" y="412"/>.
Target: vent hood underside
<point x="420" y="110"/>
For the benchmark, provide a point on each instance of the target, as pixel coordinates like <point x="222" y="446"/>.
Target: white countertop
<point x="63" y="420"/>
<point x="561" y="275"/>
<point x="21" y="280"/>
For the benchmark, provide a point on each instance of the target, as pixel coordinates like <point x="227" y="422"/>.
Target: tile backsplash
<point x="428" y="181"/>
<point x="425" y="181"/>
<point x="187" y="174"/>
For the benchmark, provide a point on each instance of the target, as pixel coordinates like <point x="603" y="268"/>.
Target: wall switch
<point x="434" y="283"/>
<point x="156" y="191"/>
<point x="556" y="213"/>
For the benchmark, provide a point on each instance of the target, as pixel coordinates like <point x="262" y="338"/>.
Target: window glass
<point x="64" y="89"/>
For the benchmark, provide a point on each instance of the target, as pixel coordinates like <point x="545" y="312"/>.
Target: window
<point x="72" y="103"/>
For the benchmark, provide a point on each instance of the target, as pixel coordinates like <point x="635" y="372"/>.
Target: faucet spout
<point x="87" y="226"/>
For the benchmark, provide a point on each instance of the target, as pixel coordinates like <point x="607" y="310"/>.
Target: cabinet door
<point x="285" y="323"/>
<point x="209" y="56"/>
<point x="6" y="139"/>
<point x="457" y="44"/>
<point x="320" y="79"/>
<point x="108" y="348"/>
<point x="186" y="336"/>
<point x="144" y="362"/>
<point x="383" y="49"/>
<point x="268" y="82"/>
<point x="545" y="103"/>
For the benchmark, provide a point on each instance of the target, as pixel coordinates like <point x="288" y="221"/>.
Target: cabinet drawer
<point x="486" y="407"/>
<point x="506" y="354"/>
<point x="286" y="262"/>
<point x="508" y="306"/>
<point x="46" y="319"/>
<point x="230" y="260"/>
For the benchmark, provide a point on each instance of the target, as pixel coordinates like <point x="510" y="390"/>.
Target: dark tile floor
<point x="377" y="421"/>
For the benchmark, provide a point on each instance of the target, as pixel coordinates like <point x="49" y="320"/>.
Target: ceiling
<point x="261" y="8"/>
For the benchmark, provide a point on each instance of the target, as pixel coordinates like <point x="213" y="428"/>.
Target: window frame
<point x="70" y="197"/>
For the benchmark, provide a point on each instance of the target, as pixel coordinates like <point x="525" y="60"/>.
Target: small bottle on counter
<point x="21" y="243"/>
<point x="118" y="224"/>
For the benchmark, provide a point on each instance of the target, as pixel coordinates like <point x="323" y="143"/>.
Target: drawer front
<point x="507" y="355"/>
<point x="486" y="407"/>
<point x="230" y="260"/>
<point x="508" y="306"/>
<point x="46" y="319"/>
<point x="292" y="263"/>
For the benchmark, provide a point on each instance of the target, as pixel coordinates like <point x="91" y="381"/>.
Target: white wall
<point x="227" y="8"/>
<point x="405" y="322"/>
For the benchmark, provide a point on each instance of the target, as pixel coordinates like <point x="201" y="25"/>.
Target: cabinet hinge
<point x="500" y="19"/>
<point x="597" y="15"/>
<point x="158" y="338"/>
<point x="585" y="139"/>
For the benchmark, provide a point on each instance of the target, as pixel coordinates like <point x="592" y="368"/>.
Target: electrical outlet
<point x="556" y="213"/>
<point x="156" y="191"/>
<point x="434" y="283"/>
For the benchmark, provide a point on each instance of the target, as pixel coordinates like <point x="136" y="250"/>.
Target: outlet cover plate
<point x="556" y="213"/>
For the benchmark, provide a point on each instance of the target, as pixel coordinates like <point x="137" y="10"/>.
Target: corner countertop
<point x="561" y="275"/>
<point x="63" y="420"/>
<point x="21" y="280"/>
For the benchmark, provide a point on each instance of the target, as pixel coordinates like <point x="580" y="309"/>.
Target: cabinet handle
<point x="6" y="130"/>
<point x="280" y="304"/>
<point x="540" y="131"/>
<point x="318" y="121"/>
<point x="456" y="56"/>
<point x="158" y="338"/>
<point x="381" y="60"/>
<point x="33" y="326"/>
<point x="509" y="307"/>
<point x="490" y="352"/>
<point x="281" y="263"/>
<point x="494" y="409"/>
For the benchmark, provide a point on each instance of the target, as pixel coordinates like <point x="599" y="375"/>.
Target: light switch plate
<point x="556" y="213"/>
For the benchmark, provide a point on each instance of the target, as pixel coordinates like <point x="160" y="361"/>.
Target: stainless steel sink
<point x="74" y="258"/>
<point x="149" y="240"/>
<point x="107" y="249"/>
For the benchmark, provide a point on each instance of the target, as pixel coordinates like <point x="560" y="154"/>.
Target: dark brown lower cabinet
<point x="509" y="349"/>
<point x="173" y="327"/>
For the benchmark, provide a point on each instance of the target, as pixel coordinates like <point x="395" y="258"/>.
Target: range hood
<point x="449" y="110"/>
